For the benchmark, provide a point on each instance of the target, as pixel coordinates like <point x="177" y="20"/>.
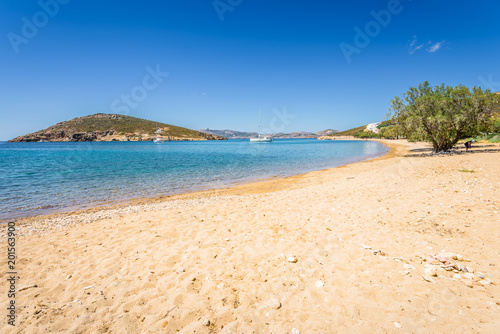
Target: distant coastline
<point x="234" y="134"/>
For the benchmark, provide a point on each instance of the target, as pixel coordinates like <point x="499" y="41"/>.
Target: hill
<point x="233" y="134"/>
<point x="230" y="134"/>
<point x="372" y="130"/>
<point x="112" y="127"/>
<point x="295" y="135"/>
<point x="326" y="132"/>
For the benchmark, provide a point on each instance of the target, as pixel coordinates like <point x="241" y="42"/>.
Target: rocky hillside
<point x="113" y="127"/>
<point x="233" y="134"/>
<point x="295" y="135"/>
<point x="383" y="129"/>
<point x="230" y="134"/>
<point x="326" y="132"/>
<point x="365" y="131"/>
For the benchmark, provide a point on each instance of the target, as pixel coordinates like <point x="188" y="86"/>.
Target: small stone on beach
<point x="379" y="252"/>
<point x="431" y="270"/>
<point x="428" y="279"/>
<point x="469" y="276"/>
<point x="292" y="259"/>
<point x="274" y="303"/>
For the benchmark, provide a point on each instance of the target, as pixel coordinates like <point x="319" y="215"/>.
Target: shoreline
<point x="211" y="191"/>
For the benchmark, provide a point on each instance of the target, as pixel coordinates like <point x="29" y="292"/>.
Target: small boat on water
<point x="261" y="138"/>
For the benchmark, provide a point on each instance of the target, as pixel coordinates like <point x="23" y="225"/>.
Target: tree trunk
<point x="440" y="147"/>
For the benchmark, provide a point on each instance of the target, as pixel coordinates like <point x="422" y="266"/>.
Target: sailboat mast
<point x="259" y="120"/>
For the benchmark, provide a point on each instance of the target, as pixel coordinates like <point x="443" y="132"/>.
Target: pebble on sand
<point x="292" y="259"/>
<point x="319" y="284"/>
<point x="431" y="270"/>
<point x="206" y="322"/>
<point x="397" y="324"/>
<point x="379" y="252"/>
<point x="469" y="276"/>
<point x="428" y="279"/>
<point x="295" y="331"/>
<point x="274" y="303"/>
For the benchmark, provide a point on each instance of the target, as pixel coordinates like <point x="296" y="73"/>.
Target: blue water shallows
<point x="41" y="178"/>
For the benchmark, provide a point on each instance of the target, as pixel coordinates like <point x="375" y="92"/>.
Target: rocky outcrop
<point x="113" y="127"/>
<point x="63" y="136"/>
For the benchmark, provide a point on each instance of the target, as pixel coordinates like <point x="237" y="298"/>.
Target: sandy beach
<point x="406" y="243"/>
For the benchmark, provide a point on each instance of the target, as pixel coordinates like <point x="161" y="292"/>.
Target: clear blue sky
<point x="81" y="57"/>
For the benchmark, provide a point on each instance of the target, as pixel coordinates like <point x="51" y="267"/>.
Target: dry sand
<point x="294" y="255"/>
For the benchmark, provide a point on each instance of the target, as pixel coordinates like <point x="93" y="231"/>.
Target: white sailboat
<point x="261" y="138"/>
<point x="157" y="140"/>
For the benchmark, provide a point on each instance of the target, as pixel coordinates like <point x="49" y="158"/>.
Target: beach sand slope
<point x="350" y="249"/>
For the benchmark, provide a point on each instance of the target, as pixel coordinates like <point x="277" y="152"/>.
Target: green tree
<point x="389" y="132"/>
<point x="443" y="114"/>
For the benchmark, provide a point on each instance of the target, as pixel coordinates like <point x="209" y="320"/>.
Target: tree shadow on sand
<point x="456" y="150"/>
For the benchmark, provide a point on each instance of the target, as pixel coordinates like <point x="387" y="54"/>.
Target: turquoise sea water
<point x="41" y="178"/>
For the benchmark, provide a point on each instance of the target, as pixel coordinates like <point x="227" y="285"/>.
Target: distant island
<point x="113" y="127"/>
<point x="233" y="134"/>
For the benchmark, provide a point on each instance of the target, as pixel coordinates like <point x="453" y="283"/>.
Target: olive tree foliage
<point x="442" y="114"/>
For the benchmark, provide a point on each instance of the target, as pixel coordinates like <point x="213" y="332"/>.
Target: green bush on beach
<point x="443" y="115"/>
